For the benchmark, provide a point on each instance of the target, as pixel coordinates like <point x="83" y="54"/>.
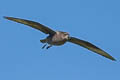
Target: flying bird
<point x="58" y="38"/>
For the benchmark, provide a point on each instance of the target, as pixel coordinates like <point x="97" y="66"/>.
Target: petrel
<point x="58" y="38"/>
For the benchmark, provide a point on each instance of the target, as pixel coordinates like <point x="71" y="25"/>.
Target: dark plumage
<point x="58" y="38"/>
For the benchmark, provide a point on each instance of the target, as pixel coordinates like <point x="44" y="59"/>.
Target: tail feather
<point x="43" y="41"/>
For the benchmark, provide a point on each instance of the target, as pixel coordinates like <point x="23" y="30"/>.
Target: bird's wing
<point x="90" y="46"/>
<point x="33" y="24"/>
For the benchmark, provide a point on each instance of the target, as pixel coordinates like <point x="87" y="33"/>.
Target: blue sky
<point x="21" y="56"/>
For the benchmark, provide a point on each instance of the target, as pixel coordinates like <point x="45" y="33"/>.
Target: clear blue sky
<point x="21" y="56"/>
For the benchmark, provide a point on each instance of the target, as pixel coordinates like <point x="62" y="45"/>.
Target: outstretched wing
<point x="90" y="46"/>
<point x="33" y="24"/>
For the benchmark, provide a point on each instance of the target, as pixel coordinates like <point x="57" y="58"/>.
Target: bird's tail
<point x="43" y="41"/>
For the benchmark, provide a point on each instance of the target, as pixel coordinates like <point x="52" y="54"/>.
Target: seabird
<point x="58" y="38"/>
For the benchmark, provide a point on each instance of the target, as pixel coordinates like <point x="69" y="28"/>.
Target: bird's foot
<point x="44" y="46"/>
<point x="48" y="47"/>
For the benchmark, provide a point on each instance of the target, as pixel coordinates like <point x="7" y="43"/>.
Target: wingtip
<point x="9" y="18"/>
<point x="113" y="59"/>
<point x="110" y="57"/>
<point x="6" y="17"/>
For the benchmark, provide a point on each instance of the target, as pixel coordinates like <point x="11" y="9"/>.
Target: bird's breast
<point x="57" y="40"/>
<point x="58" y="43"/>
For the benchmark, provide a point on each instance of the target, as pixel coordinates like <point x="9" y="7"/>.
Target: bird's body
<point x="59" y="38"/>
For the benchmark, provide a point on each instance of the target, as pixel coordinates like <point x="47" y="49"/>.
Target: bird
<point x="58" y="38"/>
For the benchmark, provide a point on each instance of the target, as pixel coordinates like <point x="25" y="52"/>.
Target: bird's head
<point x="66" y="35"/>
<point x="63" y="35"/>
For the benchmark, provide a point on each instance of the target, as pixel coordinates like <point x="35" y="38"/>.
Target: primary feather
<point x="33" y="24"/>
<point x="90" y="46"/>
